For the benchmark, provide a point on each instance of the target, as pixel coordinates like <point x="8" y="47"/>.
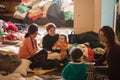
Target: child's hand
<point x="53" y="48"/>
<point x="58" y="43"/>
<point x="63" y="54"/>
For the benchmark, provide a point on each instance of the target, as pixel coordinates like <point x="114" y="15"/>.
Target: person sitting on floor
<point x="51" y="37"/>
<point x="112" y="52"/>
<point x="75" y="70"/>
<point x="29" y="49"/>
<point x="49" y="40"/>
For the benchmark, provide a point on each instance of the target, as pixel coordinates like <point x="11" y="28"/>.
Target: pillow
<point x="54" y="55"/>
<point x="11" y="42"/>
<point x="13" y="76"/>
<point x="23" y="67"/>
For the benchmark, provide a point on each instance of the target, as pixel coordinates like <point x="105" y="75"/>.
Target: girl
<point x="29" y="49"/>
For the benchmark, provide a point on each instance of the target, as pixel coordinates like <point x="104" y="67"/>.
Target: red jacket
<point x="11" y="26"/>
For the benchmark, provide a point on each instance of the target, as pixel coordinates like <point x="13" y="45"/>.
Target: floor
<point x="54" y="75"/>
<point x="61" y="30"/>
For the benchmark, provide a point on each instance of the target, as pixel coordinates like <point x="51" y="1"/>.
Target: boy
<point x="75" y="70"/>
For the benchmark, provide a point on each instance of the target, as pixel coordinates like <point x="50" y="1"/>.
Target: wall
<point x="108" y="12"/>
<point x="87" y="15"/>
<point x="97" y="16"/>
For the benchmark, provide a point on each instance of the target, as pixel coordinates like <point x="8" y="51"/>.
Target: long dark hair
<point x="109" y="33"/>
<point x="32" y="29"/>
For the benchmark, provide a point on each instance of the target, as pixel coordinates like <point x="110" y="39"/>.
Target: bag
<point x="73" y="38"/>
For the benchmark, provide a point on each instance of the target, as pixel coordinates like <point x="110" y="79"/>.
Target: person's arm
<point x="29" y="46"/>
<point x="55" y="46"/>
<point x="44" y="42"/>
<point x="63" y="46"/>
<point x="101" y="60"/>
<point x="48" y="42"/>
<point x="65" y="72"/>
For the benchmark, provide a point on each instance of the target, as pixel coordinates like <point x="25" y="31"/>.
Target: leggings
<point x="38" y="59"/>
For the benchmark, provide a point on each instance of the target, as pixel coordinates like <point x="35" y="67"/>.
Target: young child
<point x="59" y="48"/>
<point x="29" y="49"/>
<point x="61" y="44"/>
<point x="75" y="70"/>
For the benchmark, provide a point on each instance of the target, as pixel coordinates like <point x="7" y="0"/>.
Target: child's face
<point x="61" y="38"/>
<point x="51" y="31"/>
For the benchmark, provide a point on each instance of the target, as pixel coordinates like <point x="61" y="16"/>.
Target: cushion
<point x="10" y="42"/>
<point x="24" y="66"/>
<point x="54" y="55"/>
<point x="12" y="76"/>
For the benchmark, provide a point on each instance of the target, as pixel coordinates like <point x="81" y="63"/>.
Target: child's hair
<point x="32" y="29"/>
<point x="49" y="26"/>
<point x="76" y="53"/>
<point x="64" y="36"/>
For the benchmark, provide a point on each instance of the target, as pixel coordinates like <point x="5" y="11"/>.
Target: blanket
<point x="9" y="62"/>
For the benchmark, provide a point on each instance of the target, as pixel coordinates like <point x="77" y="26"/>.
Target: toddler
<point x="59" y="48"/>
<point x="75" y="70"/>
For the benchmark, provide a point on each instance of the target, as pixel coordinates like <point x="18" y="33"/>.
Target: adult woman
<point x="29" y="49"/>
<point x="112" y="52"/>
<point x="51" y="37"/>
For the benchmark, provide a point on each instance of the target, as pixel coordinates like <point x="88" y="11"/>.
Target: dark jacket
<point x="48" y="41"/>
<point x="113" y="60"/>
